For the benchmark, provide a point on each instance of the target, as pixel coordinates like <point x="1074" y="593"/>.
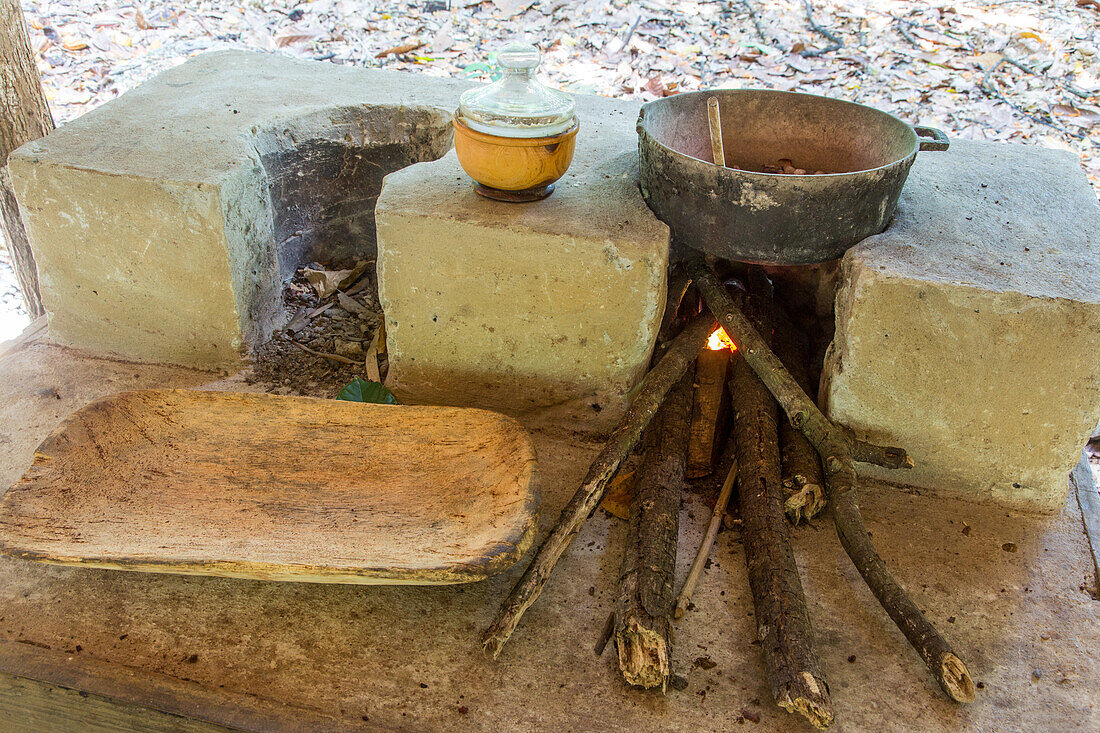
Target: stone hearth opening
<point x="325" y="172"/>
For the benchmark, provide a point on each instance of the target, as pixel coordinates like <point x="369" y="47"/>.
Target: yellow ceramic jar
<point x="515" y="137"/>
<point x="514" y="168"/>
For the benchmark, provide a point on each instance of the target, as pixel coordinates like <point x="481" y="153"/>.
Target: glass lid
<point x="517" y="105"/>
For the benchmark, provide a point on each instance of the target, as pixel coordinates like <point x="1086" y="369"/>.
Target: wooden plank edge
<point x="496" y="558"/>
<point x="183" y="703"/>
<point x="1089" y="500"/>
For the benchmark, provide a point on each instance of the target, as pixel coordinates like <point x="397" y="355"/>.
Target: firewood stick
<point x="643" y="627"/>
<point x="692" y="579"/>
<point x="709" y="406"/>
<point x="885" y="456"/>
<point x="802" y="475"/>
<point x="656" y="385"/>
<point x="783" y="624"/>
<point x="714" y="118"/>
<point x="836" y="452"/>
<point x="678" y="284"/>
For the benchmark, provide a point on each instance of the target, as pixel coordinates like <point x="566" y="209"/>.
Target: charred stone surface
<point x="323" y="189"/>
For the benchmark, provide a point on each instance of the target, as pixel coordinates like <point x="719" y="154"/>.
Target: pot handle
<point x="939" y="141"/>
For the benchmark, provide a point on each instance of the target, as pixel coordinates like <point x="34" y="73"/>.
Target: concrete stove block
<point x="553" y="304"/>
<point x="164" y="222"/>
<point x="969" y="331"/>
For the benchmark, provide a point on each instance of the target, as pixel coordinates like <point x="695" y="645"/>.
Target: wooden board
<point x="277" y="488"/>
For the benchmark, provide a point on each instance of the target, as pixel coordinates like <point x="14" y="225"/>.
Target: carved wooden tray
<point x="277" y="488"/>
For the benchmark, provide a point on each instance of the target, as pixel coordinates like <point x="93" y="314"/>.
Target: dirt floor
<point x="1013" y="593"/>
<point x="340" y="333"/>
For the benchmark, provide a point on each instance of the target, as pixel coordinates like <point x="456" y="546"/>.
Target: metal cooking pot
<point x="768" y="218"/>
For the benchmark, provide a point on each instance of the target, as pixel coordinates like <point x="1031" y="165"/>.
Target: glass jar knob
<point x="520" y="59"/>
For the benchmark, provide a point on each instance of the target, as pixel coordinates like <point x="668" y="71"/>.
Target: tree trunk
<point x="24" y="116"/>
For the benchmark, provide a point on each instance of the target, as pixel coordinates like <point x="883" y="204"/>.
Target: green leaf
<point x="491" y="69"/>
<point x="364" y="390"/>
<point x="474" y="69"/>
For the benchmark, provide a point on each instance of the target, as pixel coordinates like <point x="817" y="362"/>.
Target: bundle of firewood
<point x="783" y="469"/>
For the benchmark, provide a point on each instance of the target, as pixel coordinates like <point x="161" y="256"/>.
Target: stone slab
<point x="164" y="221"/>
<point x="524" y="306"/>
<point x="969" y="331"/>
<point x="296" y="656"/>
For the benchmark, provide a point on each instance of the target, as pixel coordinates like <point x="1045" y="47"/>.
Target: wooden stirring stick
<point x="714" y="114"/>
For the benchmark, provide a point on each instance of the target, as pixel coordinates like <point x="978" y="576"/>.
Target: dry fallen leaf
<point x="327" y="282"/>
<point x="350" y="304"/>
<point x="986" y="61"/>
<point x="296" y="34"/>
<point x="370" y="362"/>
<point x="398" y="50"/>
<point x="508" y="8"/>
<point x="443" y="39"/>
<point x="619" y="494"/>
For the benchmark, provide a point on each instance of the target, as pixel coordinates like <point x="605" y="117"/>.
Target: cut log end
<point x="808" y="696"/>
<point x="643" y="656"/>
<point x="955" y="679"/>
<point x="491" y="645"/>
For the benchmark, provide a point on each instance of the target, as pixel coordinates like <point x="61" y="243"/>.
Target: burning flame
<point x="719" y="340"/>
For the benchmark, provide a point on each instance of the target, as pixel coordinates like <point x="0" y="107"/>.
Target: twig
<point x="1058" y="83"/>
<point x="656" y="385"/>
<point x="878" y="455"/>
<point x="987" y="87"/>
<point x="605" y="635"/>
<point x="755" y="21"/>
<point x="834" y="40"/>
<point x="643" y="627"/>
<point x="324" y="355"/>
<point x="966" y="45"/>
<point x="688" y="590"/>
<point x="629" y="35"/>
<point x="714" y="120"/>
<point x="835" y="449"/>
<point x="902" y="24"/>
